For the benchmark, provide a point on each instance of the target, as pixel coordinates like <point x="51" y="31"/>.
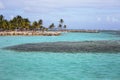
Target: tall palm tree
<point x="61" y="21"/>
<point x="1" y="17"/>
<point x="19" y="22"/>
<point x="15" y="22"/>
<point x="26" y="23"/>
<point x="11" y="26"/>
<point x="40" y="23"/>
<point x="5" y="25"/>
<point x="35" y="25"/>
<point x="60" y="24"/>
<point x="1" y="22"/>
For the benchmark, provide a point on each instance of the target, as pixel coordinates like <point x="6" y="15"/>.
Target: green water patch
<point x="70" y="47"/>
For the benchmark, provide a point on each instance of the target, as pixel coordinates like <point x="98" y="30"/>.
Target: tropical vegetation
<point x="19" y="23"/>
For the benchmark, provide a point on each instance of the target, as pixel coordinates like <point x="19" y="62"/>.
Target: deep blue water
<point x="58" y="66"/>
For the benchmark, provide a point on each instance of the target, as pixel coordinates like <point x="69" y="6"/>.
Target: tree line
<point x="23" y="24"/>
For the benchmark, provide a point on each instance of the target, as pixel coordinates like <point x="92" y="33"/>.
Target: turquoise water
<point x="56" y="66"/>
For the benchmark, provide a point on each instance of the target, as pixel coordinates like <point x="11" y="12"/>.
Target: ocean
<point x="58" y="66"/>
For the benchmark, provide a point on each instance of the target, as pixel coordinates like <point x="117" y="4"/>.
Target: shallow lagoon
<point x="54" y="66"/>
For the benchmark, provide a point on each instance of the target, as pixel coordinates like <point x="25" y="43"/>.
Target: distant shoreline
<point x="86" y="31"/>
<point x="42" y="33"/>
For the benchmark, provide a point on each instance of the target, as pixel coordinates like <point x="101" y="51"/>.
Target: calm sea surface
<point x="58" y="66"/>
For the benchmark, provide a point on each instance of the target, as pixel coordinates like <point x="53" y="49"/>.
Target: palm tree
<point x="1" y="22"/>
<point x="40" y="23"/>
<point x="60" y="24"/>
<point x="64" y="26"/>
<point x="1" y="17"/>
<point x="17" y="21"/>
<point x="35" y="25"/>
<point x="61" y="21"/>
<point x="52" y="26"/>
<point x="5" y="25"/>
<point x="21" y="23"/>
<point x="26" y="23"/>
<point x="11" y="26"/>
<point x="18" y="17"/>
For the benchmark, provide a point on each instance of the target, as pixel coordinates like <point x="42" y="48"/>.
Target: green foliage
<point x="20" y="23"/>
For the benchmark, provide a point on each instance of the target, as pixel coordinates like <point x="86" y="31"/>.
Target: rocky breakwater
<point x="29" y="33"/>
<point x="84" y="31"/>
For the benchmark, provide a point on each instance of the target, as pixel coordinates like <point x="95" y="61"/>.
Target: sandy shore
<point x="40" y="33"/>
<point x="29" y="33"/>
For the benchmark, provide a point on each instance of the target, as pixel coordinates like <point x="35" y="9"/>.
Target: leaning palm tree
<point x="52" y="26"/>
<point x="40" y="21"/>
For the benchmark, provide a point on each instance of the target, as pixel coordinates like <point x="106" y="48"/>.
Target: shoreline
<point x="41" y="33"/>
<point x="29" y="33"/>
<point x="84" y="31"/>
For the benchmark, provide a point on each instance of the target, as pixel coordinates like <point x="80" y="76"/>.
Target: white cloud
<point x="50" y="5"/>
<point x="1" y="5"/>
<point x="72" y="3"/>
<point x="46" y="4"/>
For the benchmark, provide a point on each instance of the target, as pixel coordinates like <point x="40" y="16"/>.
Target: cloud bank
<point x="42" y="5"/>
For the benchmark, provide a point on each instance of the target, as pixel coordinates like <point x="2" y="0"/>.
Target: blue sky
<point x="77" y="14"/>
